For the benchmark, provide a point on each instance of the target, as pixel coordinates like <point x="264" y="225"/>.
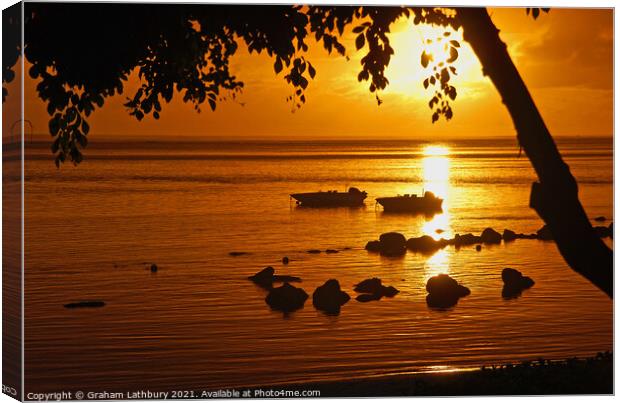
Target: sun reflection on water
<point x="437" y="264"/>
<point x="436" y="175"/>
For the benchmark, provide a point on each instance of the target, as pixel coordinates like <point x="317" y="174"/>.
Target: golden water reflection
<point x="437" y="264"/>
<point x="436" y="175"/>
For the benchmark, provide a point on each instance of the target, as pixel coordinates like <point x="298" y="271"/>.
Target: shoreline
<point x="592" y="375"/>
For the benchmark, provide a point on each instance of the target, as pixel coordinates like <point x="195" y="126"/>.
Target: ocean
<point x="93" y="231"/>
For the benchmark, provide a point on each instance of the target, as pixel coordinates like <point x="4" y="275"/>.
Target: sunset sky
<point x="565" y="57"/>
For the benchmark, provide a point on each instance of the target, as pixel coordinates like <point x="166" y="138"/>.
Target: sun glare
<point x="409" y="41"/>
<point x="435" y="151"/>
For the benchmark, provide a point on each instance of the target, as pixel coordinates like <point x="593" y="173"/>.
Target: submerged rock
<point x="314" y="251"/>
<point x="467" y="239"/>
<point x="425" y="243"/>
<point x="373" y="246"/>
<point x="514" y="283"/>
<point x="478" y="248"/>
<point x="373" y="290"/>
<point x="611" y="230"/>
<point x="509" y="235"/>
<point x="369" y="286"/>
<point x="544" y="234"/>
<point x="85" y="304"/>
<point x="285" y="260"/>
<point x="235" y="253"/>
<point x="266" y="277"/>
<point x="490" y="236"/>
<point x="286" y="298"/>
<point x="329" y="297"/>
<point x="600" y="218"/>
<point x="330" y="251"/>
<point x="154" y="268"/>
<point x="444" y="291"/>
<point x="393" y="244"/>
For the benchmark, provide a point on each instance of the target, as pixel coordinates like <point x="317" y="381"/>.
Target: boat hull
<point x="410" y="204"/>
<point x="329" y="199"/>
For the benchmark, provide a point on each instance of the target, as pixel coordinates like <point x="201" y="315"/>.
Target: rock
<point x="393" y="244"/>
<point x="265" y="274"/>
<point x="368" y="297"/>
<point x="478" y="248"/>
<point x="527" y="236"/>
<point x="514" y="283"/>
<point x="509" y="235"/>
<point x="369" y="286"/>
<point x="373" y="290"/>
<point x="389" y="291"/>
<point x="602" y="231"/>
<point x="266" y="277"/>
<point x="373" y="246"/>
<point x="314" y="251"/>
<point x="544" y="234"/>
<point x="285" y="260"/>
<point x="286" y="298"/>
<point x="490" y="236"/>
<point x="234" y="254"/>
<point x="444" y="291"/>
<point x="425" y="243"/>
<point x="600" y="218"/>
<point x="331" y="251"/>
<point x="85" y="304"/>
<point x="467" y="239"/>
<point x="153" y="268"/>
<point x="329" y="297"/>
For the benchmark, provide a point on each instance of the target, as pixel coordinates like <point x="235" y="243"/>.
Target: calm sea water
<point x="91" y="232"/>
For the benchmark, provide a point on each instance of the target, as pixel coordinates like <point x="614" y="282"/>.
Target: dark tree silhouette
<point x="184" y="50"/>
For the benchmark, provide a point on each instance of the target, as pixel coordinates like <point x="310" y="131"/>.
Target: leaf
<point x="424" y="59"/>
<point x="311" y="70"/>
<point x="454" y="54"/>
<point x="85" y="127"/>
<point x="425" y="83"/>
<point x="358" y="29"/>
<point x="54" y="125"/>
<point x="212" y="104"/>
<point x="277" y="66"/>
<point x="360" y="41"/>
<point x="455" y="43"/>
<point x="435" y="117"/>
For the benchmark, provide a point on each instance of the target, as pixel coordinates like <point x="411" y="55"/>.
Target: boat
<point x="332" y="198"/>
<point x="427" y="204"/>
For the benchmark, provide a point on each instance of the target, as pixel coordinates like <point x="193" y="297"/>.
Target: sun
<point x="405" y="71"/>
<point x="435" y="151"/>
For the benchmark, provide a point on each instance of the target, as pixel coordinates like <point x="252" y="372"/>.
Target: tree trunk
<point x="555" y="196"/>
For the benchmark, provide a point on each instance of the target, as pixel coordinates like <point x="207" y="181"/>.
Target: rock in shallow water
<point x="514" y="283"/>
<point x="393" y="244"/>
<point x="444" y="291"/>
<point x="266" y="277"/>
<point x="466" y="239"/>
<point x="425" y="244"/>
<point x="490" y="236"/>
<point x="373" y="290"/>
<point x="329" y="297"/>
<point x="509" y="235"/>
<point x="286" y="298"/>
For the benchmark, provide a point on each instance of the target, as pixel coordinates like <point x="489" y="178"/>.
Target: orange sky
<point x="565" y="57"/>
